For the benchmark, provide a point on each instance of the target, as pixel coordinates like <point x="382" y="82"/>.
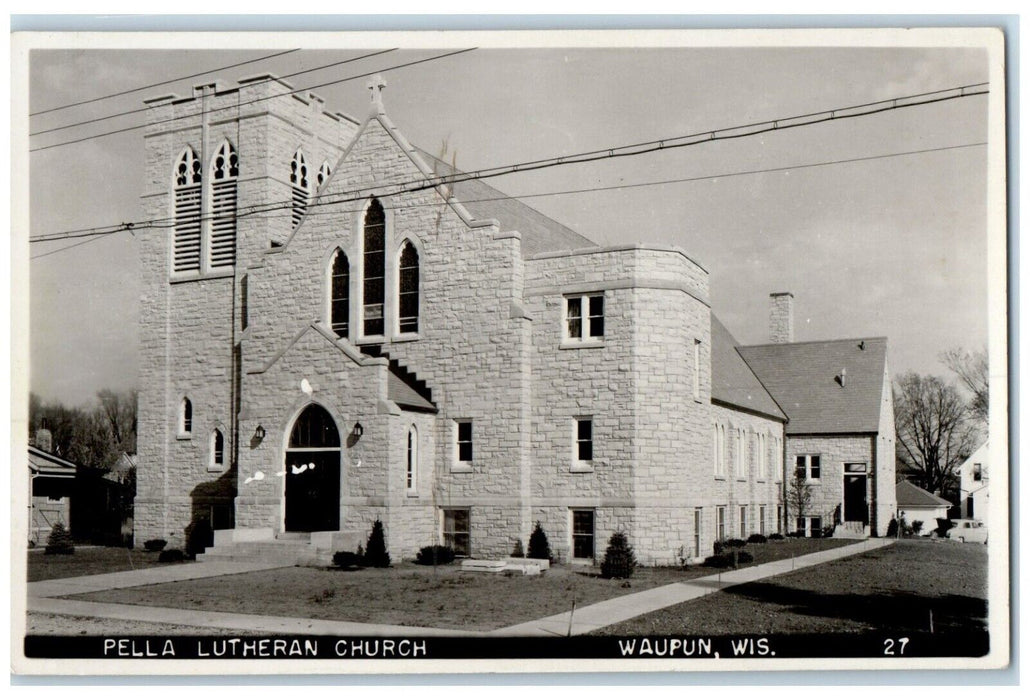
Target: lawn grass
<point x="893" y="588"/>
<point x="87" y="561"/>
<point x="413" y="595"/>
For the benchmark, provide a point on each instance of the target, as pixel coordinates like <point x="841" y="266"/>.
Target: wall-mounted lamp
<point x="259" y="432"/>
<point x="357" y="431"/>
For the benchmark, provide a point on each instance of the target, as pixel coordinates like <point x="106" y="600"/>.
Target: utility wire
<point x="653" y="183"/>
<point x="256" y="100"/>
<point x="150" y="86"/>
<point x="257" y="82"/>
<point x="641" y="148"/>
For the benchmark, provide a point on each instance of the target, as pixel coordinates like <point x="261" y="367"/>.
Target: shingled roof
<point x="908" y="494"/>
<point x="540" y="234"/>
<point x="733" y="382"/>
<point x="805" y="380"/>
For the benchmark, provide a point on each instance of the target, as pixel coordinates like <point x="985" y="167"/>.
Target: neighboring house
<point x="974" y="493"/>
<point x="917" y="504"/>
<point x="51" y="485"/>
<point x="448" y="360"/>
<point x="840" y="431"/>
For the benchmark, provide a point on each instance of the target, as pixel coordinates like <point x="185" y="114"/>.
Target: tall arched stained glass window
<point x="373" y="288"/>
<point x="339" y="294"/>
<point x="407" y="289"/>
<point x="299" y="186"/>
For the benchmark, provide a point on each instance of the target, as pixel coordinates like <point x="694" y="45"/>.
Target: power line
<point x="249" y="102"/>
<point x="258" y="82"/>
<point x="653" y="183"/>
<point x="150" y="86"/>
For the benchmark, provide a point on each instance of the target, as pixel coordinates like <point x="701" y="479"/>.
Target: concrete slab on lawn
<point x="609" y="612"/>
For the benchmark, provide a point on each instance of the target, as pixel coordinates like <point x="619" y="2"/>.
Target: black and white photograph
<point x="499" y="351"/>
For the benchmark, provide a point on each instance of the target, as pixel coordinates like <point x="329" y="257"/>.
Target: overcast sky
<point x="890" y="246"/>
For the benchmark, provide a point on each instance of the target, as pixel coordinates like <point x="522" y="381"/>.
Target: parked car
<point x="968" y="531"/>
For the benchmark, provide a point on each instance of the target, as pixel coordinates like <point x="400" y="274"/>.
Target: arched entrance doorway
<point x="313" y="473"/>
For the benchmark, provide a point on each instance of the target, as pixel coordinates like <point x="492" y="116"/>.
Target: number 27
<point x="888" y="646"/>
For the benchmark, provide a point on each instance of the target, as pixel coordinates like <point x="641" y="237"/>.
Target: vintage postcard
<point x="509" y="351"/>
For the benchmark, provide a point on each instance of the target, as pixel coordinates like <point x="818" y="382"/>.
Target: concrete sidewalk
<point x="609" y="612"/>
<point x="45" y="597"/>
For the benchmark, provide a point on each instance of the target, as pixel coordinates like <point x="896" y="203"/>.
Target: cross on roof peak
<point x="375" y="88"/>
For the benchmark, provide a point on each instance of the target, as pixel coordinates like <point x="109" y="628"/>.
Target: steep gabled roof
<point x="733" y="382"/>
<point x="908" y="494"/>
<point x="805" y="380"/>
<point x="540" y="234"/>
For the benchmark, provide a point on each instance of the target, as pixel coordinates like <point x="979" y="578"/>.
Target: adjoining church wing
<point x="733" y="382"/>
<point x="829" y="386"/>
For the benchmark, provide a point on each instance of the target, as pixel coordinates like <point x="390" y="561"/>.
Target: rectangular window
<point x="761" y="520"/>
<point x="456" y="531"/>
<point x="697" y="532"/>
<point x="243" y="303"/>
<point x="584" y="317"/>
<point x="464" y="440"/>
<point x="719" y="450"/>
<point x="584" y="439"/>
<point x="808" y="467"/>
<point x="779" y="518"/>
<point x="741" y="462"/>
<point x="810" y="527"/>
<point x="743" y="522"/>
<point x="697" y="369"/>
<point x="583" y="534"/>
<point x="978" y="473"/>
<point x="763" y="457"/>
<point x="720" y="523"/>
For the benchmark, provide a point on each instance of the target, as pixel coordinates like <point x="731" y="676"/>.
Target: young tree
<point x="973" y="371"/>
<point x="934" y="431"/>
<point x="799" y="496"/>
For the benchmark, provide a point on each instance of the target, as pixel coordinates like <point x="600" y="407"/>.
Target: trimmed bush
<point x="517" y="552"/>
<point x="775" y="537"/>
<point x="346" y="560"/>
<point x="154" y="545"/>
<point x="59" y="541"/>
<point x="917" y="526"/>
<point x="735" y="543"/>
<point x="744" y="557"/>
<point x="892" y="528"/>
<point x="943" y="525"/>
<point x="199" y="536"/>
<point x="171" y="555"/>
<point x="725" y="561"/>
<point x="796" y="533"/>
<point x="757" y="539"/>
<point x="539" y="547"/>
<point x="443" y="555"/>
<point x="619" y="561"/>
<point x="375" y="551"/>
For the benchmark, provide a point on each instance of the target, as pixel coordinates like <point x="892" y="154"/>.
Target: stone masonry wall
<point x="834" y="452"/>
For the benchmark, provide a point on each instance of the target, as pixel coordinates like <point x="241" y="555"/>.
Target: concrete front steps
<point x="851" y="531"/>
<point x="264" y="546"/>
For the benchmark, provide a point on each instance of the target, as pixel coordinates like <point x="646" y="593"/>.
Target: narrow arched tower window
<point x="186" y="236"/>
<point x="217" y="449"/>
<point x="224" y="173"/>
<point x="411" y="476"/>
<point x="323" y="174"/>
<point x="339" y="294"/>
<point x="299" y="186"/>
<point x="407" y="289"/>
<point x="373" y="292"/>
<point x="185" y="417"/>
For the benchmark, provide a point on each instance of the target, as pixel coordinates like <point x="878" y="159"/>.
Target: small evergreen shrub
<point x="735" y="543"/>
<point x="917" y="526"/>
<point x="199" y="536"/>
<point x="155" y="545"/>
<point x="943" y="525"/>
<point x="796" y="533"/>
<point x="717" y="561"/>
<point x="375" y="551"/>
<point x="892" y="528"/>
<point x="539" y="547"/>
<point x="619" y="561"/>
<point x="171" y="555"/>
<point x="775" y="537"/>
<point x="517" y="552"/>
<point x="757" y="539"/>
<point x="718" y="547"/>
<point x="59" y="541"/>
<point x="443" y="555"/>
<point x="346" y="560"/>
<point x="744" y="557"/>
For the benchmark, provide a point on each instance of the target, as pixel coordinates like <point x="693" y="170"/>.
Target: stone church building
<point x="327" y="340"/>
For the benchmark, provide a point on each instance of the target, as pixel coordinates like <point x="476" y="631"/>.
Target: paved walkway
<point x="46" y="597"/>
<point x="609" y="612"/>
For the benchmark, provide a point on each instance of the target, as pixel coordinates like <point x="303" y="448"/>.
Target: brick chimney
<point x="781" y="317"/>
<point x="44" y="440"/>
